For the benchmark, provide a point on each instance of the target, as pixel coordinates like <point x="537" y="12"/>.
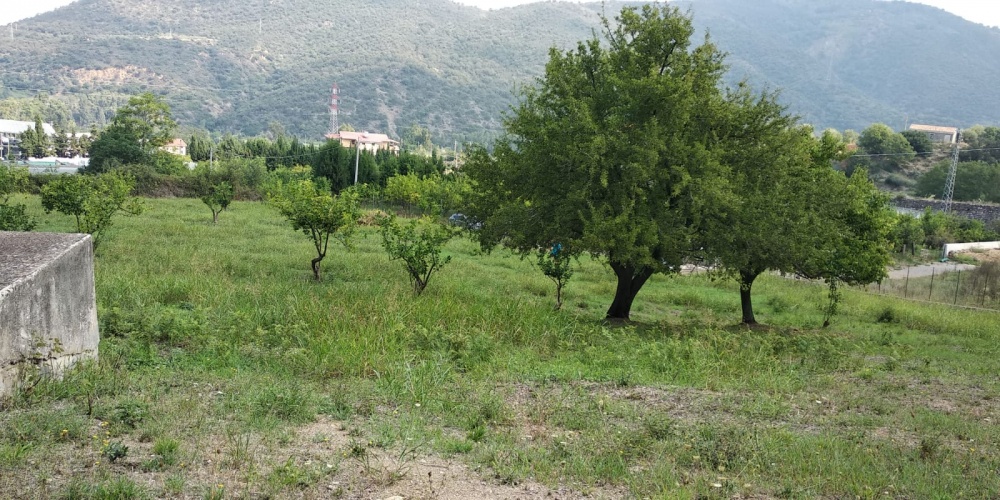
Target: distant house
<point x="944" y="135"/>
<point x="176" y="146"/>
<point x="366" y="141"/>
<point x="10" y="129"/>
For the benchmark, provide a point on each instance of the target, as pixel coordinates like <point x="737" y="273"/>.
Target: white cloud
<point x="978" y="11"/>
<point x="16" y="10"/>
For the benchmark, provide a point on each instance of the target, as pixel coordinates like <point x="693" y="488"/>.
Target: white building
<point x="11" y="128"/>
<point x="946" y="135"/>
<point x="367" y="141"/>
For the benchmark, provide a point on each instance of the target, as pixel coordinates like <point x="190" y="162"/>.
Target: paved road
<point x="928" y="269"/>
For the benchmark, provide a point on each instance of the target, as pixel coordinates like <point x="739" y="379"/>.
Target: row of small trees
<point x="311" y="209"/>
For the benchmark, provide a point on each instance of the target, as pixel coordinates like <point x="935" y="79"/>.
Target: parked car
<point x="465" y="222"/>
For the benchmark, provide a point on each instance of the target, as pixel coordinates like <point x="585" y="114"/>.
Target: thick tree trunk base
<point x="630" y="281"/>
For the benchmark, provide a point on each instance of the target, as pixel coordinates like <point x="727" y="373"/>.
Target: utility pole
<point x="357" y="158"/>
<point x="949" y="185"/>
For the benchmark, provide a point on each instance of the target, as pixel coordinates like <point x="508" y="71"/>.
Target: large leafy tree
<point x="785" y="208"/>
<point x="34" y="141"/>
<point x="138" y="129"/>
<point x="610" y="153"/>
<point x="756" y="226"/>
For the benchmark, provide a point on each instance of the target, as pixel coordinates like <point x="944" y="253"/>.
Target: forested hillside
<point x="239" y="66"/>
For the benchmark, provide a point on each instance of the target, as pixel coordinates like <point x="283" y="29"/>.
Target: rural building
<point x="367" y="141"/>
<point x="177" y="147"/>
<point x="944" y="135"/>
<point x="10" y="129"/>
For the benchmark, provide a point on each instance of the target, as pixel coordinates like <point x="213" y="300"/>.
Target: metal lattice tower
<point x="949" y="185"/>
<point x="335" y="109"/>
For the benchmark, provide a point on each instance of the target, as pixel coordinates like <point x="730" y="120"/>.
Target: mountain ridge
<point x="453" y="68"/>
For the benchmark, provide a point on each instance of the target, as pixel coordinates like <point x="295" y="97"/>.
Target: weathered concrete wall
<point x="961" y="247"/>
<point x="48" y="307"/>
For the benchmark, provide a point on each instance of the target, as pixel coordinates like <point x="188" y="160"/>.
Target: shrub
<point x="418" y="244"/>
<point x="556" y="264"/>
<point x="13" y="217"/>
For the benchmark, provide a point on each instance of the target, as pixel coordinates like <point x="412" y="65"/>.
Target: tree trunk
<point x="215" y="217"/>
<point x="746" y="284"/>
<point x="315" y="267"/>
<point x="630" y="280"/>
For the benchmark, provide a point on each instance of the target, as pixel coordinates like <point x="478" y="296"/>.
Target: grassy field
<point x="227" y="373"/>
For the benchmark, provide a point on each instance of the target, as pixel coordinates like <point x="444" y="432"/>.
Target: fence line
<point x="976" y="289"/>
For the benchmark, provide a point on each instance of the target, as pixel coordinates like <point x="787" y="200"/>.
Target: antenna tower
<point x="949" y="185"/>
<point x="335" y="109"/>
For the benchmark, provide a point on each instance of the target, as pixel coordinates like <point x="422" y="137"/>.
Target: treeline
<point x="246" y="164"/>
<point x="65" y="143"/>
<point x="330" y="160"/>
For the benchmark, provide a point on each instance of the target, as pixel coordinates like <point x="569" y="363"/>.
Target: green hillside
<point x="238" y="66"/>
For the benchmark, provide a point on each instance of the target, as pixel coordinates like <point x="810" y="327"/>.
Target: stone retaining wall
<point x="48" y="307"/>
<point x="981" y="212"/>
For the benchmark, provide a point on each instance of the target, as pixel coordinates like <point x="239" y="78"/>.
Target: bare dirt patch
<point x="114" y="75"/>
<point x="982" y="255"/>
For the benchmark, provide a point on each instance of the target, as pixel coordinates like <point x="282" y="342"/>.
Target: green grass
<point x="218" y="350"/>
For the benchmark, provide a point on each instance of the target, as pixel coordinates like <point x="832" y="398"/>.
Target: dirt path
<point x="925" y="270"/>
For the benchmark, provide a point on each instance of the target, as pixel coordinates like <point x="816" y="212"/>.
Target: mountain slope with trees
<point x="238" y="67"/>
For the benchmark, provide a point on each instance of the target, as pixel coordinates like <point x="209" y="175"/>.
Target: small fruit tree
<point x="318" y="214"/>
<point x="418" y="244"/>
<point x="93" y="200"/>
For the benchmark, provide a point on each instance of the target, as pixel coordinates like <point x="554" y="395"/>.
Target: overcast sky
<point x="981" y="11"/>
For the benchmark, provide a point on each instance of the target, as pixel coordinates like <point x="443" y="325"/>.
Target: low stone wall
<point x="48" y="307"/>
<point x="978" y="211"/>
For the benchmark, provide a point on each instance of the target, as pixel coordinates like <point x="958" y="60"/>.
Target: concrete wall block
<point x="48" y="305"/>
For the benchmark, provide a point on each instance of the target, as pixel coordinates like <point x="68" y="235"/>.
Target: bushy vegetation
<point x="13" y="216"/>
<point x="482" y="370"/>
<point x="974" y="181"/>
<point x="93" y="200"/>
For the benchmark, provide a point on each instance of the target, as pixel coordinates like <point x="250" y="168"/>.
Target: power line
<point x="918" y="154"/>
